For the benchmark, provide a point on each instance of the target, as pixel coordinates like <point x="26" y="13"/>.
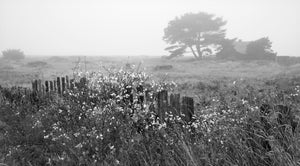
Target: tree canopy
<point x="260" y="49"/>
<point x="200" y="32"/>
<point x="227" y="50"/>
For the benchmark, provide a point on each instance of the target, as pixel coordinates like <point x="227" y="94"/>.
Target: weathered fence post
<point x="39" y="86"/>
<point x="58" y="85"/>
<point x="63" y="85"/>
<point x="51" y="86"/>
<point x="175" y="104"/>
<point x="43" y="89"/>
<point x="55" y="84"/>
<point x="67" y="82"/>
<point x="47" y="86"/>
<point x="162" y="104"/>
<point x="35" y="85"/>
<point x="187" y="108"/>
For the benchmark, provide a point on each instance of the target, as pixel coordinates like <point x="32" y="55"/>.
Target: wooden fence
<point x="59" y="85"/>
<point x="165" y="103"/>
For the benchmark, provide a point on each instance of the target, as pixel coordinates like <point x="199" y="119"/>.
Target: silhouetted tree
<point x="227" y="50"/>
<point x="200" y="32"/>
<point x="260" y="50"/>
<point x="13" y="54"/>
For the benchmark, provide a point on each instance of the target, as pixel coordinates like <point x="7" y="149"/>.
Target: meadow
<point x="246" y="113"/>
<point x="180" y="70"/>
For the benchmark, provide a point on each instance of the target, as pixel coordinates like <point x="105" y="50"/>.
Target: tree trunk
<point x="195" y="55"/>
<point x="199" y="51"/>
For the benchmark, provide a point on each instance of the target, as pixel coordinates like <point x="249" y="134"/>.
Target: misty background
<point x="135" y="27"/>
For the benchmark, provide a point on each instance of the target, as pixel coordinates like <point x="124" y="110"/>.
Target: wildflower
<point x="78" y="145"/>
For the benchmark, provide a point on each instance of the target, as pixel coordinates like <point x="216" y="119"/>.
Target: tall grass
<point x="98" y="124"/>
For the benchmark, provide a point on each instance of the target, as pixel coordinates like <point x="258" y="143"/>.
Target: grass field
<point x="182" y="70"/>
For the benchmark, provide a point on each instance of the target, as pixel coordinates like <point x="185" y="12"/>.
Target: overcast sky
<point x="135" y="27"/>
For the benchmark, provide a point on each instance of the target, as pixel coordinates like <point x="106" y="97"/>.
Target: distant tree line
<point x="202" y="34"/>
<point x="259" y="49"/>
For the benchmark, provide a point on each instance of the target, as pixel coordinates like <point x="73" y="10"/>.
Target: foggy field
<point x="149" y="83"/>
<point x="180" y="70"/>
<point x="242" y="111"/>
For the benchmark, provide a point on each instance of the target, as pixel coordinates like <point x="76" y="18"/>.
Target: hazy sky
<point x="134" y="27"/>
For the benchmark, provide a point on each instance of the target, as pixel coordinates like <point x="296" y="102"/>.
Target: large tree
<point x="201" y="33"/>
<point x="260" y="50"/>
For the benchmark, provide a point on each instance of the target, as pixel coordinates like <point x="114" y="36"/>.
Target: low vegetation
<point x="37" y="64"/>
<point x="13" y="54"/>
<point x="235" y="123"/>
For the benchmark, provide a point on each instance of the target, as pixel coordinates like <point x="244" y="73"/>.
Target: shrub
<point x="163" y="67"/>
<point x="260" y="50"/>
<point x="13" y="54"/>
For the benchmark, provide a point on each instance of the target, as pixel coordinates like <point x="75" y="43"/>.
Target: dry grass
<point x="183" y="70"/>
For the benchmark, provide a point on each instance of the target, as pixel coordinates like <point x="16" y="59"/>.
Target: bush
<point x="162" y="67"/>
<point x="260" y="50"/>
<point x="13" y="54"/>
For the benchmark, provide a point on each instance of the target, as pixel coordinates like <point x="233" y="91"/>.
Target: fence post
<point x="51" y="85"/>
<point x="47" y="86"/>
<point x="63" y="85"/>
<point x="162" y="104"/>
<point x="67" y="82"/>
<point x="43" y="89"/>
<point x="39" y="86"/>
<point x="175" y="104"/>
<point x="55" y="84"/>
<point x="34" y="85"/>
<point x="187" y="108"/>
<point x="58" y="85"/>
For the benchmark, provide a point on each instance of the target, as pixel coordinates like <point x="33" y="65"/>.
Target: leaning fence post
<point x="162" y="104"/>
<point x="187" y="108"/>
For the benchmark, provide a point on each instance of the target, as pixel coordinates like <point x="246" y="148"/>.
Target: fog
<point x="136" y="27"/>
